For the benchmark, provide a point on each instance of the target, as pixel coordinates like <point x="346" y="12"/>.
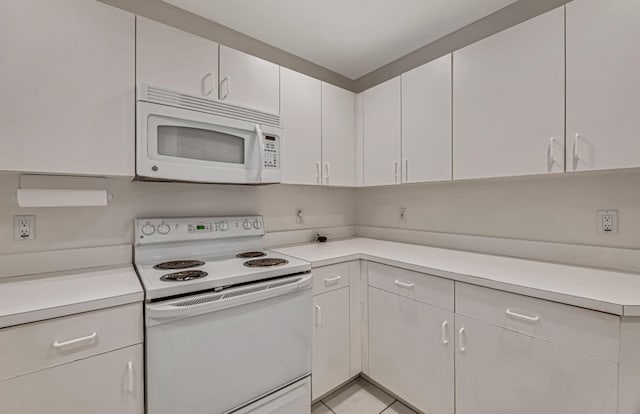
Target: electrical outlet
<point x="24" y="227"/>
<point x="299" y="216"/>
<point x="403" y="213"/>
<point x="607" y="221"/>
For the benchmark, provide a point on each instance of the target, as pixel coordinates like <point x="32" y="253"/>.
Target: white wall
<point x="62" y="228"/>
<point x="552" y="209"/>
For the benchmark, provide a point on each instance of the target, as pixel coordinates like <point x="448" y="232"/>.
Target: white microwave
<point x="181" y="137"/>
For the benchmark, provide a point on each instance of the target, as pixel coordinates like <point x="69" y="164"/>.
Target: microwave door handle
<point x="260" y="143"/>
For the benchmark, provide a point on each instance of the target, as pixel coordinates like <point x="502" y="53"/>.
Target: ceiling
<point x="351" y="37"/>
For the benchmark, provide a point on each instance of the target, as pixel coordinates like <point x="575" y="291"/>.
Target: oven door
<point x="216" y="352"/>
<point x="183" y="145"/>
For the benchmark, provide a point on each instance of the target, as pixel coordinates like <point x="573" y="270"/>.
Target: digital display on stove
<point x="200" y="227"/>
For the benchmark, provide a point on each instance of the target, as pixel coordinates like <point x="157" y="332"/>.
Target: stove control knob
<point x="246" y="224"/>
<point x="164" y="229"/>
<point x="257" y="224"/>
<point x="148" y="229"/>
<point x="223" y="225"/>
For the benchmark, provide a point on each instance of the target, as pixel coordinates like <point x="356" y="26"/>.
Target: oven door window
<point x="200" y="144"/>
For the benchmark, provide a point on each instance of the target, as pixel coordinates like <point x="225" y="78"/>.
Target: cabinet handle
<point x="332" y="280"/>
<point x="318" y="315"/>
<point x="206" y="91"/>
<point x="327" y="167"/>
<point x="463" y="345"/>
<point x="130" y="378"/>
<point x="318" y="173"/>
<point x="552" y="159"/>
<point x="404" y="284"/>
<point x="225" y="81"/>
<point x="521" y="316"/>
<point x="576" y="147"/>
<point x="395" y="171"/>
<point x="406" y="170"/>
<point x="87" y="338"/>
<point x="445" y="332"/>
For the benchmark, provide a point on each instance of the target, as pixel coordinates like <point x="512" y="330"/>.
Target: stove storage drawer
<point x="40" y="345"/>
<point x="332" y="277"/>
<point x="592" y="332"/>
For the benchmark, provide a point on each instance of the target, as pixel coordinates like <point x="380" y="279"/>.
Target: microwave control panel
<point x="271" y="151"/>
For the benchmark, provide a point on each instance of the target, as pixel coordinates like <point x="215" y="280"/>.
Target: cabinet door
<point x="603" y="62"/>
<point x="301" y="112"/>
<point x="171" y="58"/>
<point x="501" y="371"/>
<point x="249" y="81"/>
<point x="67" y="88"/>
<point x="426" y="122"/>
<point x="411" y="350"/>
<point x="330" y="361"/>
<point x="338" y="136"/>
<point x="382" y="134"/>
<point x="105" y="384"/>
<point x="508" y="101"/>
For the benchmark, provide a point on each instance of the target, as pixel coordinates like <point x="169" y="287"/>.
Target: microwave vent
<point x="163" y="96"/>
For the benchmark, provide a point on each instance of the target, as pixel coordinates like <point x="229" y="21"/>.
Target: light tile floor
<point x="360" y="397"/>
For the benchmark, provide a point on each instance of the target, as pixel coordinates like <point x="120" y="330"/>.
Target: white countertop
<point x="33" y="298"/>
<point x="607" y="291"/>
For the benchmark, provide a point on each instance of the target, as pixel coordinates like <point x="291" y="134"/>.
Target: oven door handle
<point x="184" y="307"/>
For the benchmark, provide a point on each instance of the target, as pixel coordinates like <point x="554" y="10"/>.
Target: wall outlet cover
<point x="24" y="228"/>
<point x="607" y="221"/>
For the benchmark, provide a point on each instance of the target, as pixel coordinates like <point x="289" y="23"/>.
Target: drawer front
<point x="328" y="278"/>
<point x="581" y="329"/>
<point x="424" y="288"/>
<point x="40" y="345"/>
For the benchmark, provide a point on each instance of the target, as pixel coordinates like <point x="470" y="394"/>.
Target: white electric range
<point x="228" y="323"/>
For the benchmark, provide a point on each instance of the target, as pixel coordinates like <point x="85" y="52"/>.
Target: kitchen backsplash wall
<point x="64" y="228"/>
<point x="559" y="209"/>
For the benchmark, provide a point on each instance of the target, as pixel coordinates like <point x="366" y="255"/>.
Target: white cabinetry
<point x="333" y="357"/>
<point x="67" y="88"/>
<point x="177" y="60"/>
<point x="86" y="363"/>
<point x="338" y="136"/>
<point x="411" y="342"/>
<point x="603" y="62"/>
<point x="517" y="354"/>
<point x="301" y="120"/>
<point x="249" y="81"/>
<point x="426" y="122"/>
<point x="382" y="123"/>
<point x="508" y="101"/>
<point x="501" y="371"/>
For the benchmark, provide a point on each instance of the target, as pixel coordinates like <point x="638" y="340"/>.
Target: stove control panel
<point x="154" y="230"/>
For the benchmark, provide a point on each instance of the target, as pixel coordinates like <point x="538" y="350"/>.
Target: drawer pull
<point x="445" y="332"/>
<point x="88" y="338"/>
<point x="521" y="316"/>
<point x="332" y="280"/>
<point x="404" y="284"/>
<point x="463" y="345"/>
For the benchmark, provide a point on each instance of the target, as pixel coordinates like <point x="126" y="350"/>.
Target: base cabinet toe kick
<point x="443" y="346"/>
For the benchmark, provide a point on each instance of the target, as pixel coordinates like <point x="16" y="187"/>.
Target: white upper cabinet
<point x="301" y="111"/>
<point x="508" y="101"/>
<point x="170" y="58"/>
<point x="426" y="122"/>
<point x="67" y="88"/>
<point x="249" y="81"/>
<point x="382" y="123"/>
<point x="603" y="63"/>
<point x="338" y="136"/>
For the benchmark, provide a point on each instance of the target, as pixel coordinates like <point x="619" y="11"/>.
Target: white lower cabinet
<point x="411" y="350"/>
<point x="331" y="341"/>
<point x="502" y="371"/>
<point x="105" y="384"/>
